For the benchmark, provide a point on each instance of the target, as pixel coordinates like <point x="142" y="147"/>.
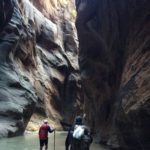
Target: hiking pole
<point x="54" y="139"/>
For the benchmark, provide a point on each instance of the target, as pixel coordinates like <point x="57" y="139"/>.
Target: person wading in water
<point x="78" y="137"/>
<point x="43" y="134"/>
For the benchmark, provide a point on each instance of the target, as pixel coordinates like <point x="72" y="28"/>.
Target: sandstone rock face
<point x="114" y="59"/>
<point x="38" y="65"/>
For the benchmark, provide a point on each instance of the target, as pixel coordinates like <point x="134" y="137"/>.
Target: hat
<point x="45" y="121"/>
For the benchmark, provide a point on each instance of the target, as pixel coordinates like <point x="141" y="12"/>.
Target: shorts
<point x="43" y="142"/>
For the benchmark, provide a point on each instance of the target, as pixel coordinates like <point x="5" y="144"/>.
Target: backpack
<point x="78" y="132"/>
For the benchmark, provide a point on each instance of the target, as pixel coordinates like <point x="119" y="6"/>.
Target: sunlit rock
<point x="38" y="64"/>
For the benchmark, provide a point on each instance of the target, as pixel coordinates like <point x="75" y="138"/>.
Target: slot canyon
<point x="63" y="58"/>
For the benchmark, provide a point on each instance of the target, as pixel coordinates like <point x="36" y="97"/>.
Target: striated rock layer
<point x="114" y="58"/>
<point x="38" y="64"/>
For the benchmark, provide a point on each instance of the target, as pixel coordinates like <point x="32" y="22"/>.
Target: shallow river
<point x="31" y="142"/>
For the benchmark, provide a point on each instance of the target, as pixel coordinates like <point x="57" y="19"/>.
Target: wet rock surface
<point x="39" y="69"/>
<point x="114" y="60"/>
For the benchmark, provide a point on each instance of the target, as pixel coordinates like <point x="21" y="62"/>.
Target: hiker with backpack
<point x="78" y="137"/>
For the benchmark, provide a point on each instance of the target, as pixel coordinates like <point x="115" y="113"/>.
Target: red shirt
<point x="43" y="131"/>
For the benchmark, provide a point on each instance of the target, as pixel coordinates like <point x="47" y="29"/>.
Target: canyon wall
<point x="114" y="58"/>
<point x="39" y="69"/>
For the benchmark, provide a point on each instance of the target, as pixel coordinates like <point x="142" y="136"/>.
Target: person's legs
<point x="70" y="147"/>
<point x="46" y="147"/>
<point x="41" y="144"/>
<point x="46" y="144"/>
<point x="75" y="145"/>
<point x="41" y="147"/>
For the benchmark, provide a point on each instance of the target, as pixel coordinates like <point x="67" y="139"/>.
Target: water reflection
<point x="31" y="142"/>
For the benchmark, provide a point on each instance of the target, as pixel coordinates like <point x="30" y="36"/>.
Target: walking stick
<point x="54" y="139"/>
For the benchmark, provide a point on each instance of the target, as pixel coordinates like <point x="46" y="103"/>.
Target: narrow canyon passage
<point x="64" y="58"/>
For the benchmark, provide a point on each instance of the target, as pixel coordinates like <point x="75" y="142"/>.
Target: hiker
<point x="78" y="121"/>
<point x="43" y="134"/>
<point x="84" y="137"/>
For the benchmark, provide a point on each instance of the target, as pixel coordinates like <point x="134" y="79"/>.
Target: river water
<point x="31" y="142"/>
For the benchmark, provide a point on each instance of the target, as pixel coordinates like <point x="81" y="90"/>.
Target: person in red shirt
<point x="43" y="134"/>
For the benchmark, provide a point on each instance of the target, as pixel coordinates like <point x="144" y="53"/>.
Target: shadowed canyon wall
<point x="114" y="57"/>
<point x="38" y="63"/>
